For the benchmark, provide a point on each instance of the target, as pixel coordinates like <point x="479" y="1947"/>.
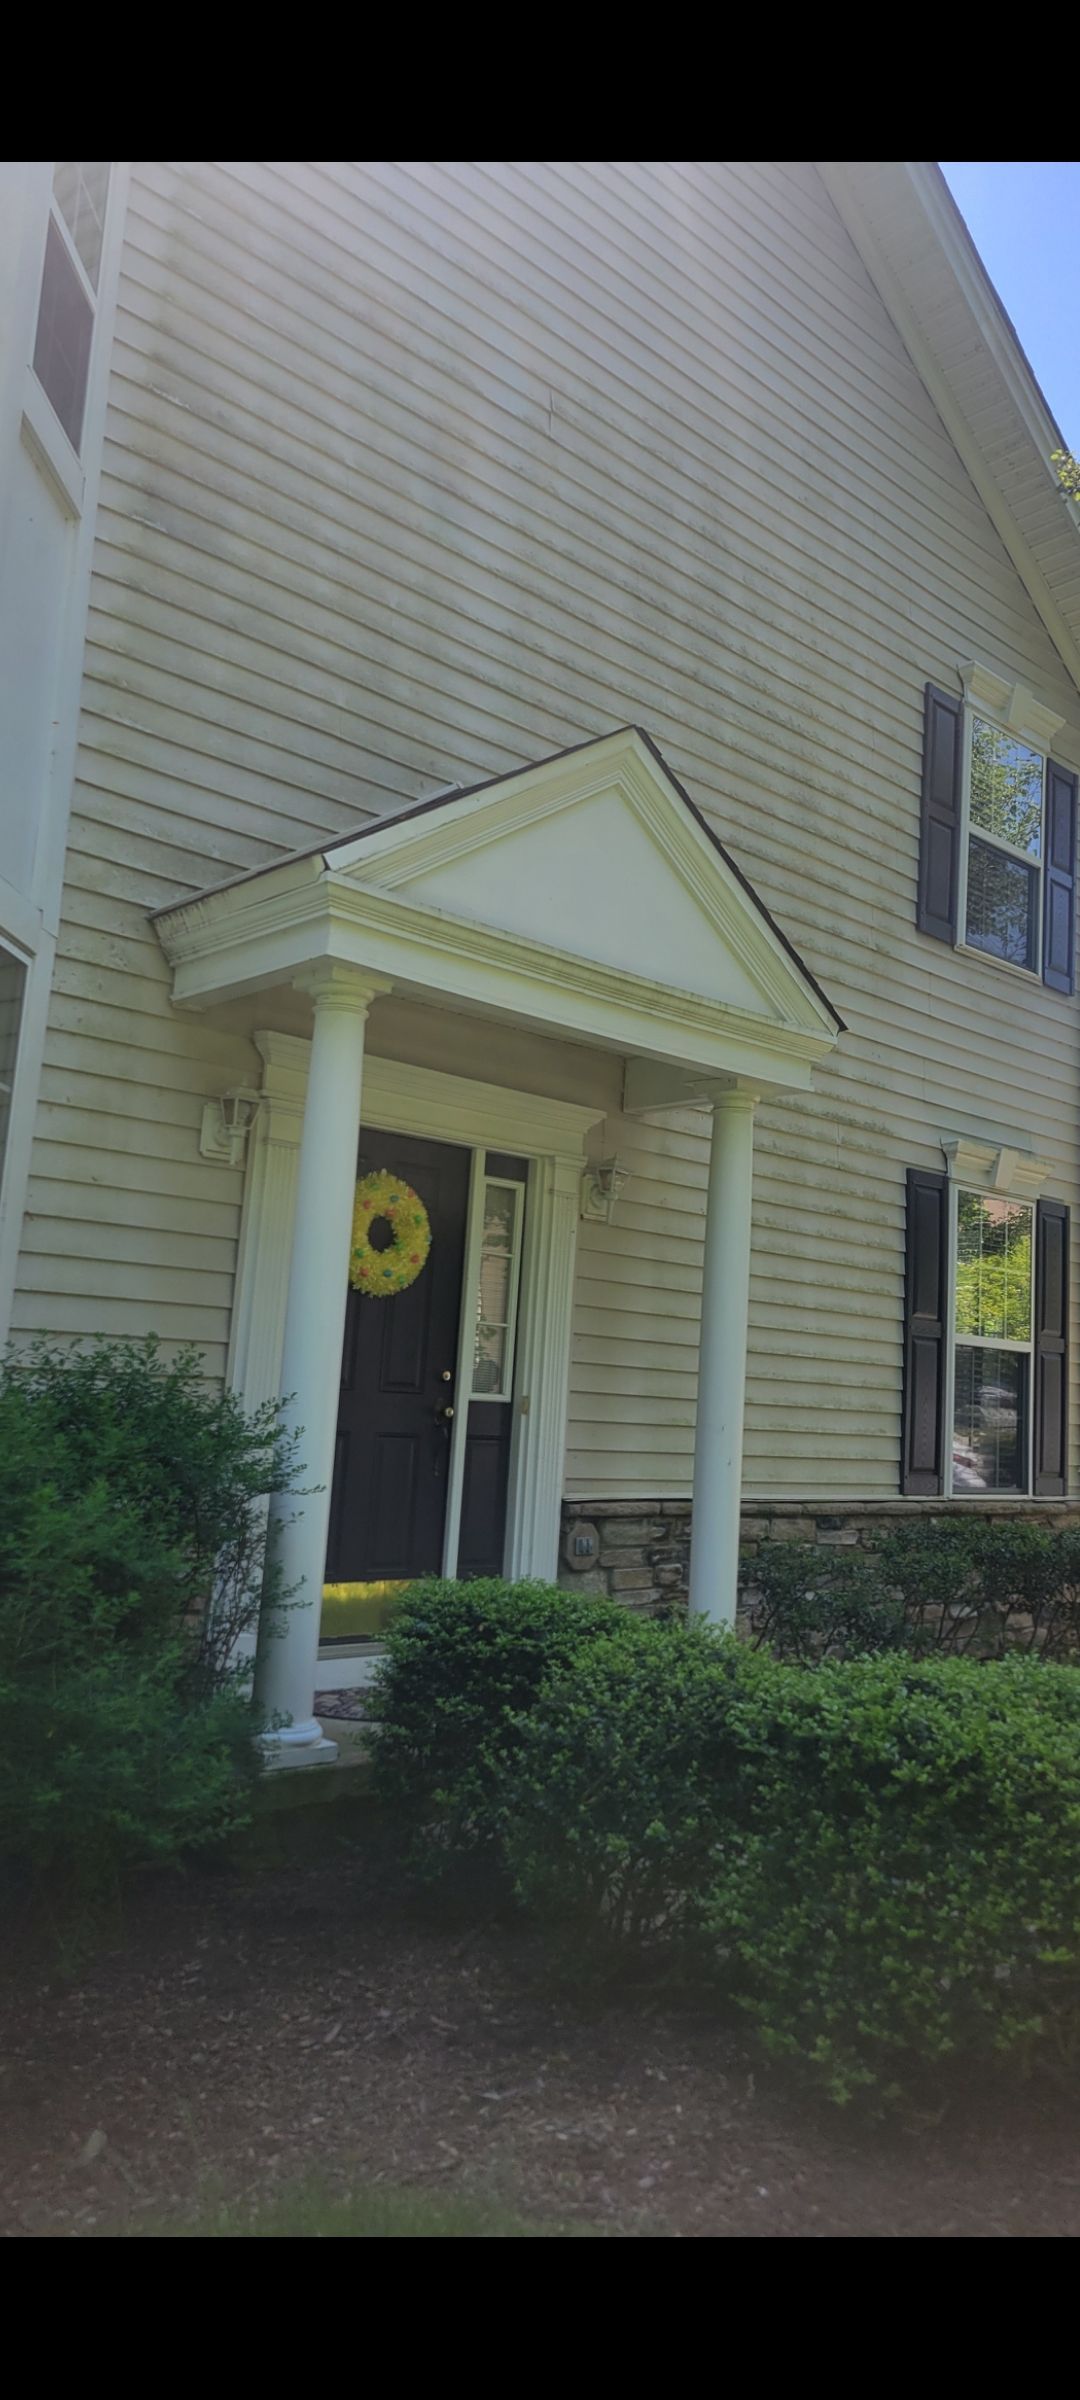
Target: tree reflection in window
<point x="1006" y="788"/>
<point x="993" y="1317"/>
<point x="1005" y="845"/>
<point x="993" y="1268"/>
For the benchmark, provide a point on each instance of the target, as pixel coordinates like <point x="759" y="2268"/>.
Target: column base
<point x="304" y="1745"/>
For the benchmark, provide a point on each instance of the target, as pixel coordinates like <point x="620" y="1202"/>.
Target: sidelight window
<point x="496" y="1290"/>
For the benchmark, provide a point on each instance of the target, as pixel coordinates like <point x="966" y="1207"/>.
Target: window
<point x="993" y="1319"/>
<point x="997" y="864"/>
<point x="986" y="1328"/>
<point x="65" y="326"/>
<point x="1006" y="787"/>
<point x="497" y="1289"/>
<point x="12" y="993"/>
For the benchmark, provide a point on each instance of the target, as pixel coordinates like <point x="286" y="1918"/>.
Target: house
<point x="539" y="728"/>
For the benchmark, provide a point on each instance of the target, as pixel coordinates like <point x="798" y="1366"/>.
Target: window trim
<point x="11" y="1093"/>
<point x="1013" y="710"/>
<point x="957" y="1184"/>
<point x="68" y="238"/>
<point x="974" y="710"/>
<point x="50" y="448"/>
<point x="25" y="959"/>
<point x="43" y="433"/>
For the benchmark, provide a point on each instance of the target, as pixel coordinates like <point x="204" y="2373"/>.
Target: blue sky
<point x="1023" y="216"/>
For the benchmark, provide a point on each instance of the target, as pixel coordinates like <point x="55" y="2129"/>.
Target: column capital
<point x="735" y="1097"/>
<point x="333" y="983"/>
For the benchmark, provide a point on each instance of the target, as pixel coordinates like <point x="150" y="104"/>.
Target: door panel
<point x="397" y="1468"/>
<point x="388" y="1504"/>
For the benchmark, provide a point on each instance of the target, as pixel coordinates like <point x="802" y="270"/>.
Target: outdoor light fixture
<point x="226" y="1124"/>
<point x="600" y="1189"/>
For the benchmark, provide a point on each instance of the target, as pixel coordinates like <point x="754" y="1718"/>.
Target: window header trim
<point x="996" y="1168"/>
<point x="1012" y="706"/>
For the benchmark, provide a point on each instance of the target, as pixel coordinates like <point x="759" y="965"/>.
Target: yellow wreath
<point x="380" y="1272"/>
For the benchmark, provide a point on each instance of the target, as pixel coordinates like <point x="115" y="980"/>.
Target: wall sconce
<point x="226" y="1124"/>
<point x="600" y="1189"/>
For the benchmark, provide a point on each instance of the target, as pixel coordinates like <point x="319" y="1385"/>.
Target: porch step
<point x="347" y="1777"/>
<point x="342" y="1707"/>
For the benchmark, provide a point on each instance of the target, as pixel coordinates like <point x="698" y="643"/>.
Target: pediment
<point x="597" y="854"/>
<point x="584" y="897"/>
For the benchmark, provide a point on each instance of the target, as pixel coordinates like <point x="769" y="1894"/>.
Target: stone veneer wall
<point x="639" y="1552"/>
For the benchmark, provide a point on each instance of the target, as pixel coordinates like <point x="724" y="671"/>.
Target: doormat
<point x="351" y="1705"/>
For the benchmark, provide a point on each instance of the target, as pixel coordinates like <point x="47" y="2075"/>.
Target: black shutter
<point x="1051" y="1360"/>
<point x="1059" y="936"/>
<point x="939" y="853"/>
<point x="925" y="1307"/>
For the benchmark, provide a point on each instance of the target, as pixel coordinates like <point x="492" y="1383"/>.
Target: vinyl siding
<point x="416" y="473"/>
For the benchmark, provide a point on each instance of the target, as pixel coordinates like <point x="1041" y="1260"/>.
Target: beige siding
<point x="415" y="474"/>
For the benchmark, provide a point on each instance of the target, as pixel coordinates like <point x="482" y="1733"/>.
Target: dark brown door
<point x="388" y="1503"/>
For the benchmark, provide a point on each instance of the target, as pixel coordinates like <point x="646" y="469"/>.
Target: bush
<point x="464" y="1664"/>
<point x="807" y="1603"/>
<point x="624" y="1779"/>
<point x="109" y="1769"/>
<point x="987" y="1589"/>
<point x="878" y="1860"/>
<point x="131" y="1560"/>
<point x="901" y="1889"/>
<point x="951" y="1588"/>
<point x="128" y="1480"/>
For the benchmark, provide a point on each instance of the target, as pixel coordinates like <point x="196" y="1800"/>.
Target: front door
<point x="391" y="1468"/>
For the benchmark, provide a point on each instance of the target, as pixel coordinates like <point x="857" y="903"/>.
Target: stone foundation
<point x="639" y="1551"/>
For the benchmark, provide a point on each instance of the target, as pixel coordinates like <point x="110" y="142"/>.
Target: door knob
<point x="445" y="1414"/>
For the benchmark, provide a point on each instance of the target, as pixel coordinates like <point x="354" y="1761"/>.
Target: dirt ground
<point x="257" y="2024"/>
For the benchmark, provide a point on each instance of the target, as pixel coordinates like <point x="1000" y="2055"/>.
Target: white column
<point x="311" y="1354"/>
<point x="261" y="1292"/>
<point x="714" y="1538"/>
<point x="543" y="1371"/>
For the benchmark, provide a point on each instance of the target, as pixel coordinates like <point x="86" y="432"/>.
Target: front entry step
<point x="348" y="1706"/>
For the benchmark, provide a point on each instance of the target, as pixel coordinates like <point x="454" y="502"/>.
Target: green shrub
<point x="901" y="1889"/>
<point x="465" y="1662"/>
<point x="878" y="1859"/>
<point x="626" y="1776"/>
<point x="131" y="1560"/>
<point x="986" y="1589"/>
<point x="108" y="1768"/>
<point x="956" y="1587"/>
<point x="136" y="1486"/>
<point x="805" y="1602"/>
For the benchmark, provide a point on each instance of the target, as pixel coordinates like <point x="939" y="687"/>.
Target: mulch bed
<point x="271" y="2020"/>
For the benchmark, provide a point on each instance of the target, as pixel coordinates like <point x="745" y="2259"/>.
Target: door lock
<point x="446" y="1376"/>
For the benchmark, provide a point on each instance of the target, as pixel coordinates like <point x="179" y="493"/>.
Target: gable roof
<point x="346" y="850"/>
<point x="503" y="783"/>
<point x="916" y="247"/>
<point x="584" y="894"/>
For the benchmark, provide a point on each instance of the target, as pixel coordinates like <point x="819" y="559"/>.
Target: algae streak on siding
<point x="415" y="474"/>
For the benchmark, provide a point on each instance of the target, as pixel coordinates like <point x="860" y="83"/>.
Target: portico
<point x="583" y="899"/>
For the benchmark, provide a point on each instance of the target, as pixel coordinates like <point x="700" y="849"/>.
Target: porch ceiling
<point x="584" y="897"/>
